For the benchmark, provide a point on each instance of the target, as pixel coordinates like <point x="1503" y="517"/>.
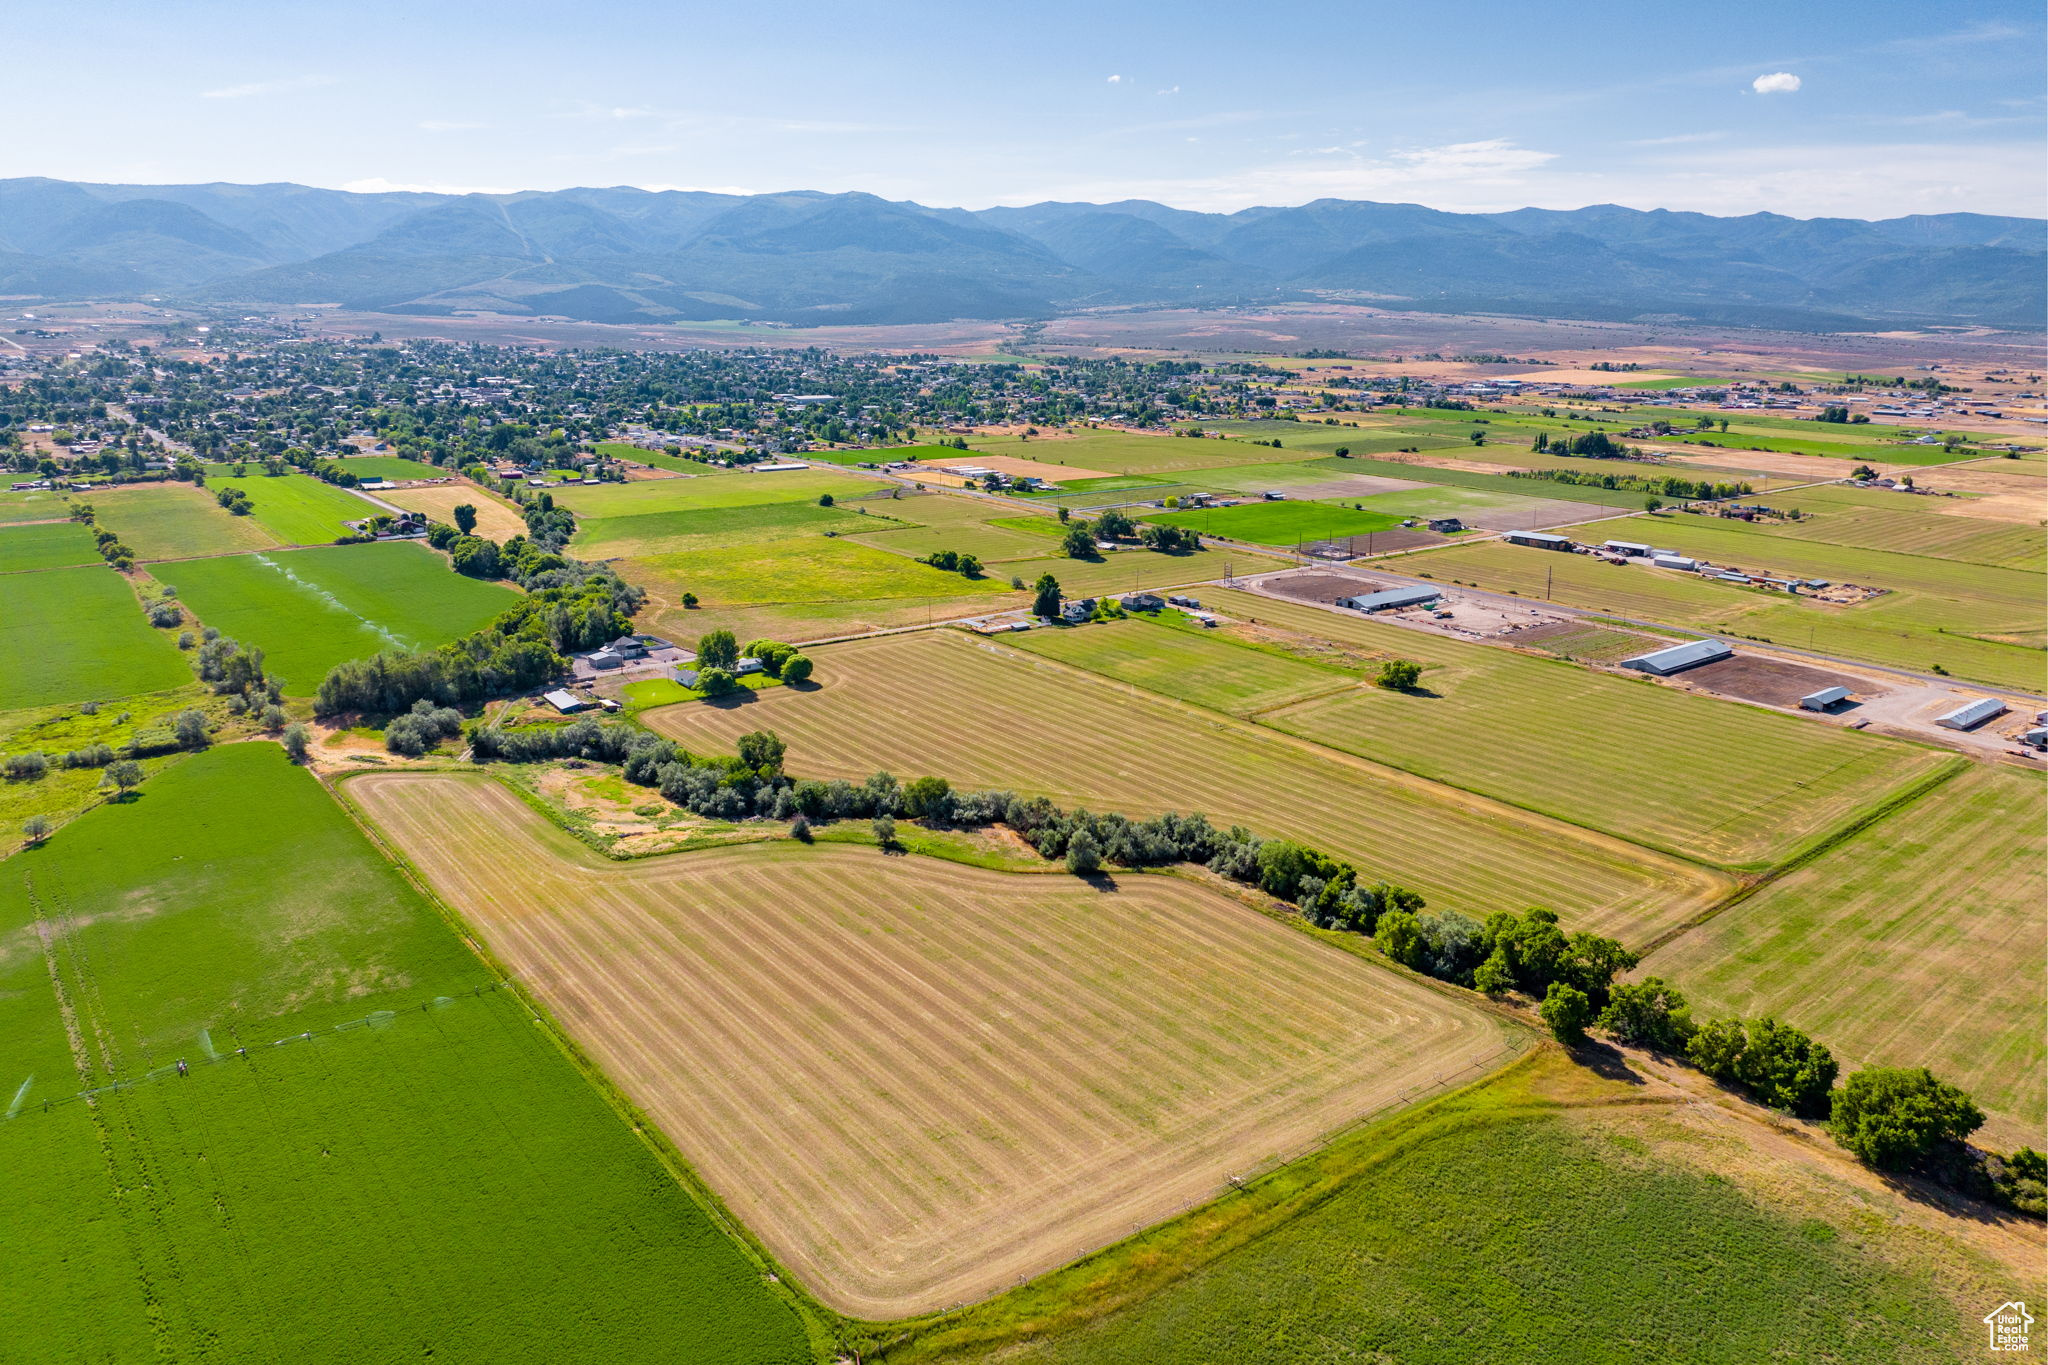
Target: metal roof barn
<point x="1972" y="714"/>
<point x="1542" y="540"/>
<point x="1823" y="699"/>
<point x="1691" y="654"/>
<point x="1390" y="599"/>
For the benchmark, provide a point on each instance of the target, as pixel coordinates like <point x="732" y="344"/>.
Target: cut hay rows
<point x="982" y="715"/>
<point x="1915" y="943"/>
<point x="917" y="1082"/>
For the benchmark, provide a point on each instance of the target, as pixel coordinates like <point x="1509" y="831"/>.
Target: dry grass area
<point x="495" y="518"/>
<point x="1036" y="469"/>
<point x="919" y="1082"/>
<point x="983" y="715"/>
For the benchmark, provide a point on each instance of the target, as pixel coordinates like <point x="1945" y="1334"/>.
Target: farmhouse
<point x="1542" y="540"/>
<point x="1825" y="698"/>
<point x="1972" y="714"/>
<point x="686" y="676"/>
<point x="1142" y="601"/>
<point x="1392" y="599"/>
<point x="1676" y="658"/>
<point x="1445" y="525"/>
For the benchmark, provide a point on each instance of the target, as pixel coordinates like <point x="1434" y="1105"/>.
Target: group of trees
<point x="1839" y="412"/>
<point x="235" y="500"/>
<point x="1591" y="445"/>
<point x="111" y="549"/>
<point x="953" y="561"/>
<point x="1670" y="485"/>
<point x="718" y="656"/>
<point x="523" y="646"/>
<point x="1081" y="538"/>
<point x="421" y="728"/>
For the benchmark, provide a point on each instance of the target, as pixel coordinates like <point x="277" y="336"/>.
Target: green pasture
<point x="603" y="501"/>
<point x="41" y="504"/>
<point x="992" y="541"/>
<point x="297" y="508"/>
<point x="809" y="570"/>
<point x="370" y="1180"/>
<point x="78" y="634"/>
<point x="1288" y="522"/>
<point x="1122" y="571"/>
<point x="309" y="610"/>
<point x="178" y="521"/>
<point x="395" y="468"/>
<point x="1190" y="668"/>
<point x="657" y="459"/>
<point x="46" y="545"/>
<point x="1120" y="452"/>
<point x="1502" y="483"/>
<point x="1495" y="1225"/>
<point x="707" y="527"/>
<point x="1914" y="943"/>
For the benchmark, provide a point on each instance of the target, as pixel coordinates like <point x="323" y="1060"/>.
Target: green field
<point x="1532" y="1219"/>
<point x="42" y="504"/>
<point x="1717" y="781"/>
<point x="395" y="468"/>
<point x="1915" y="943"/>
<point x="297" y="508"/>
<point x="709" y="527"/>
<point x="985" y="715"/>
<point x="806" y="570"/>
<point x="1287" y="522"/>
<point x="1927" y="619"/>
<point x="1877" y="519"/>
<point x="70" y="635"/>
<point x="1189" y="668"/>
<point x="46" y="545"/>
<point x="309" y="610"/>
<point x="596" y="503"/>
<point x="1501" y="483"/>
<point x="436" y="1183"/>
<point x="178" y="521"/>
<point x="1118" y="452"/>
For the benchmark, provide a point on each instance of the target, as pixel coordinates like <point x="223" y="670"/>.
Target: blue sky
<point x="1866" y="109"/>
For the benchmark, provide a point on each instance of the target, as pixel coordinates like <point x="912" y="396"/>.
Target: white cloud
<point x="1675" y="140"/>
<point x="1169" y="90"/>
<point x="1775" y="83"/>
<point x="440" y="125"/>
<point x="1116" y="80"/>
<point x="282" y="86"/>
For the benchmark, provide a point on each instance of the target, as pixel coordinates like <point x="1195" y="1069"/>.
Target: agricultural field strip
<point x="1906" y="945"/>
<point x="46" y="545"/>
<point x="177" y="521"/>
<point x="918" y="1093"/>
<point x="994" y="717"/>
<point x="1858" y="524"/>
<point x="1692" y="776"/>
<point x="78" y="634"/>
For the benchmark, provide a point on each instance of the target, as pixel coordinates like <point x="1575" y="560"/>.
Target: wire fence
<point x="24" y="1102"/>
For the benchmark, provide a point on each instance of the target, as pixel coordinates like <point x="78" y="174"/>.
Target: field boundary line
<point x="1898" y="801"/>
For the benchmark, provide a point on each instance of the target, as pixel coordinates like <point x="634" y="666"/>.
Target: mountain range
<point x="632" y="255"/>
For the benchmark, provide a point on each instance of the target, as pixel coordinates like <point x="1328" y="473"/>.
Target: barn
<point x="1972" y="714"/>
<point x="1691" y="654"/>
<point x="1393" y="599"/>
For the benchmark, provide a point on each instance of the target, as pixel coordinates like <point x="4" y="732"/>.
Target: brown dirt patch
<point x="918" y="1082"/>
<point x="1772" y="681"/>
<point x="494" y="518"/>
<point x="1383" y="542"/>
<point x="1033" y="469"/>
<point x="1320" y="587"/>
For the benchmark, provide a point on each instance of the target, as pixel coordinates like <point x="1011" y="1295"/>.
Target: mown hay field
<point x="1547" y="1214"/>
<point x="1120" y="452"/>
<point x="1714" y="780"/>
<point x="1288" y="522"/>
<point x="309" y="610"/>
<point x="1911" y="627"/>
<point x="1942" y="528"/>
<point x="495" y="518"/>
<point x="297" y="508"/>
<point x="46" y="545"/>
<point x="1915" y="943"/>
<point x="1191" y="668"/>
<point x="918" y="1081"/>
<point x="69" y="635"/>
<point x="983" y="715"/>
<point x="402" y="1183"/>
<point x="178" y="521"/>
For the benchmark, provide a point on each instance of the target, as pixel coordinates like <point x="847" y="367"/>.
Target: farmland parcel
<point x="436" y="1182"/>
<point x="1093" y="743"/>
<point x="79" y="635"/>
<point x="919" y="1081"/>
<point x="309" y="610"/>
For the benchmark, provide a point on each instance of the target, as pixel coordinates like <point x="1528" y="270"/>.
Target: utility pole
<point x="1546" y="582"/>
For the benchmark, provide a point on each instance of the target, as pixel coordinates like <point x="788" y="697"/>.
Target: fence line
<point x="23" y="1105"/>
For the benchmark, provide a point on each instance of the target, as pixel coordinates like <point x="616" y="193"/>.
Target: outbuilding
<point x="565" y="701"/>
<point x="1691" y="654"/>
<point x="1676" y="562"/>
<point x="1542" y="540"/>
<point x="1825" y="698"/>
<point x="1393" y="599"/>
<point x="1627" y="547"/>
<point x="1972" y="714"/>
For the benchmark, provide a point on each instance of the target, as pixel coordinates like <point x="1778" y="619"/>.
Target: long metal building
<point x="1672" y="659"/>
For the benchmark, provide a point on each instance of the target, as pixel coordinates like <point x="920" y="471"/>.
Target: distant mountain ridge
<point x="631" y="255"/>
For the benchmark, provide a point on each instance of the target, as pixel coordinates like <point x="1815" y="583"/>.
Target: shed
<point x="1970" y="715"/>
<point x="565" y="701"/>
<point x="2036" y="738"/>
<point x="1676" y="562"/>
<point x="1691" y="654"/>
<point x="1542" y="540"/>
<point x="686" y="676"/>
<point x="1393" y="599"/>
<point x="605" y="658"/>
<point x="1626" y="547"/>
<point x="1823" y="699"/>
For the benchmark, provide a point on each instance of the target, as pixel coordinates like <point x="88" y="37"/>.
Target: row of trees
<point x="954" y="561"/>
<point x="1670" y="485"/>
